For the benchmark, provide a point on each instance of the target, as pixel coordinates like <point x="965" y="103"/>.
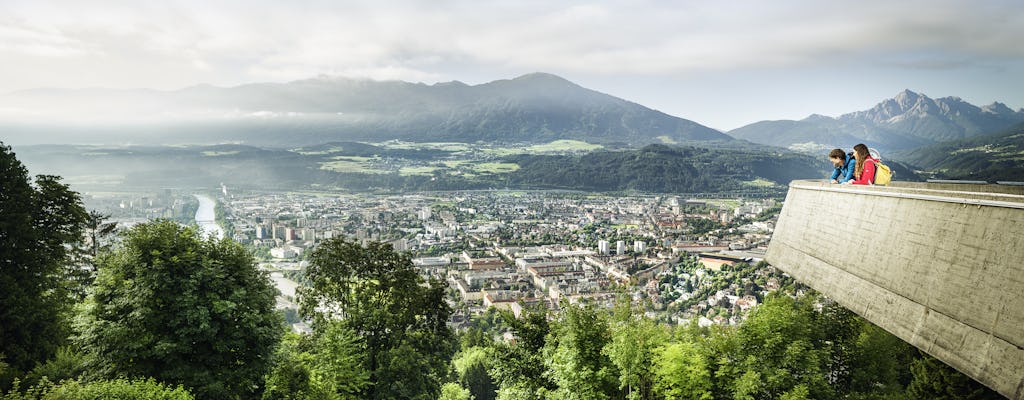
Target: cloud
<point x="185" y="42"/>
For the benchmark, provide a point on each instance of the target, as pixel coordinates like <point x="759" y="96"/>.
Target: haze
<point x="720" y="64"/>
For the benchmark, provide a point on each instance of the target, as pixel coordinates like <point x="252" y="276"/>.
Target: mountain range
<point x="536" y="107"/>
<point x="908" y="120"/>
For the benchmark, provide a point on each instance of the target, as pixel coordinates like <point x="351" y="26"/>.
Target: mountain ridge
<point x="907" y="120"/>
<point x="537" y="107"/>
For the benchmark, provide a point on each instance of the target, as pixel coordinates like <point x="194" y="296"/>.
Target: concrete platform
<point x="945" y="269"/>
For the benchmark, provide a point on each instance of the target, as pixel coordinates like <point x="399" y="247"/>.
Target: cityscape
<point x="682" y="258"/>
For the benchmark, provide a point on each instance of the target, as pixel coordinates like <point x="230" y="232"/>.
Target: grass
<point x="422" y="171"/>
<point x="558" y="146"/>
<point x="731" y="204"/>
<point x="759" y="182"/>
<point x="564" y="146"/>
<point x="495" y="168"/>
<point x="666" y="139"/>
<point x="455" y="163"/>
<point x="444" y="146"/>
<point x="350" y="166"/>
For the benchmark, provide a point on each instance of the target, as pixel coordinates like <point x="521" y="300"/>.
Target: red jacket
<point x="867" y="176"/>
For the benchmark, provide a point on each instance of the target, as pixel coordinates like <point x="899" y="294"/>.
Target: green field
<point x="423" y="171"/>
<point x="731" y="204"/>
<point x="495" y="168"/>
<point x="351" y="164"/>
<point x="443" y="146"/>
<point x="759" y="182"/>
<point x="559" y="146"/>
<point x="666" y="140"/>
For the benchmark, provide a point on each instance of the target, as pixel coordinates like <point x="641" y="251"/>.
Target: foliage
<point x="661" y="168"/>
<point x="67" y="364"/>
<point x="400" y="318"/>
<point x="681" y="372"/>
<point x="934" y="380"/>
<point x="39" y="224"/>
<point x="471" y="367"/>
<point x="574" y="358"/>
<point x="183" y="309"/>
<point x="519" y="368"/>
<point x="452" y="391"/>
<point x="632" y="348"/>
<point x="326" y="365"/>
<point x="118" y="389"/>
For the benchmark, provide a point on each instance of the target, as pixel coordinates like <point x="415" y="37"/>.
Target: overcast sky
<point x="720" y="63"/>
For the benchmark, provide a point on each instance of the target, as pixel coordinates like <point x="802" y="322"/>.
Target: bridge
<point x="940" y="265"/>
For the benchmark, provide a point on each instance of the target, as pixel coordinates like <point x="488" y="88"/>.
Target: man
<point x="844" y="163"/>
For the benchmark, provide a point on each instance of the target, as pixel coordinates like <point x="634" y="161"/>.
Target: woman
<point x="864" y="170"/>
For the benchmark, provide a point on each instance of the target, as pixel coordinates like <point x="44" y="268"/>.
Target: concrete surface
<point x="945" y="269"/>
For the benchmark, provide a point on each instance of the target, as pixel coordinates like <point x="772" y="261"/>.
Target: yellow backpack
<point x="883" y="174"/>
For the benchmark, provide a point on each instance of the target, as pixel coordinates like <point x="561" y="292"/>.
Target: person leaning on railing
<point x="864" y="170"/>
<point x="844" y="165"/>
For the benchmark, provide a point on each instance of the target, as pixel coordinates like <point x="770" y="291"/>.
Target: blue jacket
<point x="845" y="173"/>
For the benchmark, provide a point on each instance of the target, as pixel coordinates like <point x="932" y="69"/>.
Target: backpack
<point x="883" y="174"/>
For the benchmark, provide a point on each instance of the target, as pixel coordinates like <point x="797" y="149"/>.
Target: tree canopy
<point x="401" y="318"/>
<point x="39" y="222"/>
<point x="172" y="305"/>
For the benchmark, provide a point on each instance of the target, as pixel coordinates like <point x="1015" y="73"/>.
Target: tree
<point x="326" y="365"/>
<point x="172" y="305"/>
<point x="519" y="368"/>
<point x="932" y="379"/>
<point x="574" y="357"/>
<point x="401" y="319"/>
<point x="452" y="391"/>
<point x="471" y="367"/>
<point x="782" y="346"/>
<point x="634" y="339"/>
<point x="38" y="225"/>
<point x="681" y="372"/>
<point x="118" y="389"/>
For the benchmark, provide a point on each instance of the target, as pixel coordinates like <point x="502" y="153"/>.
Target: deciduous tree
<point x="401" y="319"/>
<point x="172" y="305"/>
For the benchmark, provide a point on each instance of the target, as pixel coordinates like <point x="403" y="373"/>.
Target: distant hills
<point x="361" y="167"/>
<point x="998" y="157"/>
<point x="906" y="121"/>
<point x="531" y="108"/>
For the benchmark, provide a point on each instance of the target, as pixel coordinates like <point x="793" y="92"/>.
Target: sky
<point x="723" y="64"/>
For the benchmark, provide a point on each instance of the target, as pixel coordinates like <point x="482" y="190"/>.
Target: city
<point x="681" y="258"/>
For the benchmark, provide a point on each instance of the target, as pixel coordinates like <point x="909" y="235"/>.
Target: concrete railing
<point x="939" y="265"/>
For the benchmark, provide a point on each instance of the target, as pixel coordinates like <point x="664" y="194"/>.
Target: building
<point x="620" y="247"/>
<point x="282" y="252"/>
<point x="639" y="246"/>
<point x="715" y="261"/>
<point x="602" y="247"/>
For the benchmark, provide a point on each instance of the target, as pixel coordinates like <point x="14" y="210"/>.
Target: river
<point x="206" y="217"/>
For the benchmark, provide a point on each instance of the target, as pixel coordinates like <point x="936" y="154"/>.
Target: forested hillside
<point x="993" y="158"/>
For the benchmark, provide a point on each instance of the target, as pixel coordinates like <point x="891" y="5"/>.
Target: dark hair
<point x="837" y="153"/>
<point x="861" y="152"/>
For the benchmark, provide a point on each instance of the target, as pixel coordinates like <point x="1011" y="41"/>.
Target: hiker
<point x="864" y="171"/>
<point x="844" y="163"/>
